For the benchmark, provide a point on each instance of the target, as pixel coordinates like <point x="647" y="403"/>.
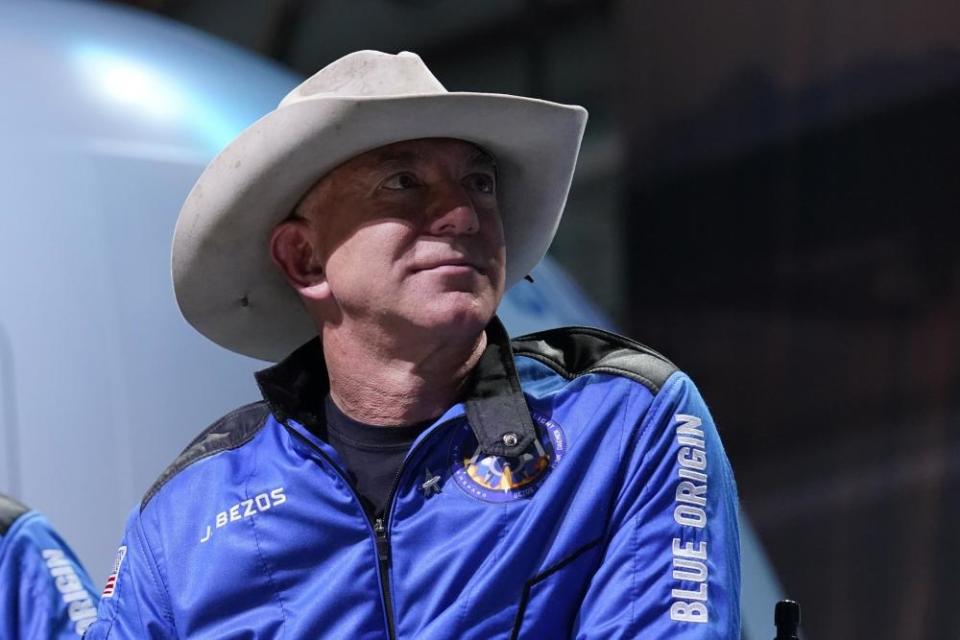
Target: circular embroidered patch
<point x="500" y="478"/>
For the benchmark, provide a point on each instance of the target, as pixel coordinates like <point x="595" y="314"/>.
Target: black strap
<point x="496" y="408"/>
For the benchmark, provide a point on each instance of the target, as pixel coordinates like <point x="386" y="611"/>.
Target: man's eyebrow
<point x="482" y="158"/>
<point x="392" y="156"/>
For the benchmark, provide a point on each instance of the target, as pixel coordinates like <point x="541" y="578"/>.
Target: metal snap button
<point x="510" y="439"/>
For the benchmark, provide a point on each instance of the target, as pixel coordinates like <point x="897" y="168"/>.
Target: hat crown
<point x="368" y="74"/>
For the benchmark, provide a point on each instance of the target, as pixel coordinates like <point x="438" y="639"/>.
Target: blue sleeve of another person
<point x="44" y="591"/>
<point x="671" y="567"/>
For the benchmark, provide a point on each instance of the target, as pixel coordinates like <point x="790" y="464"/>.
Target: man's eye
<point x="399" y="182"/>
<point x="482" y="182"/>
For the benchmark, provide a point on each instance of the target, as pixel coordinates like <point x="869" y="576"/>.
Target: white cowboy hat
<point x="224" y="280"/>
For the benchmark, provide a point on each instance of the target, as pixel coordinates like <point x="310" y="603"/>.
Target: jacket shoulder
<point x="229" y="432"/>
<point x="10" y="512"/>
<point x="577" y="351"/>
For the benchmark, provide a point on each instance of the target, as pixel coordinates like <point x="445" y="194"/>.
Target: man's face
<point x="409" y="236"/>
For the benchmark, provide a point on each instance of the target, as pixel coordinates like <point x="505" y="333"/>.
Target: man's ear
<point x="292" y="249"/>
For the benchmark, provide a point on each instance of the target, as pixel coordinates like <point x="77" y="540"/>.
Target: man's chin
<point x="450" y="315"/>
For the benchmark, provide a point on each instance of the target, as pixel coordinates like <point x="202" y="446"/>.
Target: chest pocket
<point x="551" y="599"/>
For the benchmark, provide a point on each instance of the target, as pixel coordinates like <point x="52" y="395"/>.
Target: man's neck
<point x="381" y="384"/>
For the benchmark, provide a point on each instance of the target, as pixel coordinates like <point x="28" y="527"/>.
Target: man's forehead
<point x="425" y="149"/>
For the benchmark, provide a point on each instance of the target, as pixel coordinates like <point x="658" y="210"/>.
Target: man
<point x="410" y="472"/>
<point x="45" y="594"/>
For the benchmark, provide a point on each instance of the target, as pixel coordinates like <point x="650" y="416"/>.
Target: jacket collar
<point x="495" y="405"/>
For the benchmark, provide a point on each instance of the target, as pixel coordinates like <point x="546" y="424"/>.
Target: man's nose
<point x="452" y="212"/>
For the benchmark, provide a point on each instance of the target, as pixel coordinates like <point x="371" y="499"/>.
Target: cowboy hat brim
<point x="225" y="283"/>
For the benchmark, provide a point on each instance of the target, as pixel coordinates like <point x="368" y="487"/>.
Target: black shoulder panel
<point x="10" y="510"/>
<point x="229" y="432"/>
<point x="576" y="351"/>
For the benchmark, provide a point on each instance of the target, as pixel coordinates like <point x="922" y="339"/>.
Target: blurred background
<point x="767" y="194"/>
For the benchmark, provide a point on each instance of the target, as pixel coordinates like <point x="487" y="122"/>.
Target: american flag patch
<point x="111" y="585"/>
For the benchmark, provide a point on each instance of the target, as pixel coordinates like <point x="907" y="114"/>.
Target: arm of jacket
<point x="44" y="590"/>
<point x="135" y="603"/>
<point x="671" y="567"/>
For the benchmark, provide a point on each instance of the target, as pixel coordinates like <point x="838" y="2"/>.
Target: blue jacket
<point x="45" y="594"/>
<point x="579" y="490"/>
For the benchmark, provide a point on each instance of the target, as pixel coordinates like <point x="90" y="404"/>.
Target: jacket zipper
<point x="383" y="547"/>
<point x="383" y="555"/>
<point x="379" y="529"/>
<point x="379" y="537"/>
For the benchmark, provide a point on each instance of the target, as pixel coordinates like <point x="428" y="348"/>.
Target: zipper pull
<point x="383" y="547"/>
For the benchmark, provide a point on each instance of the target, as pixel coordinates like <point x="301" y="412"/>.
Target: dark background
<point x="768" y="193"/>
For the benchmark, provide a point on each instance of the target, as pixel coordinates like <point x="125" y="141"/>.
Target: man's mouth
<point x="451" y="265"/>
